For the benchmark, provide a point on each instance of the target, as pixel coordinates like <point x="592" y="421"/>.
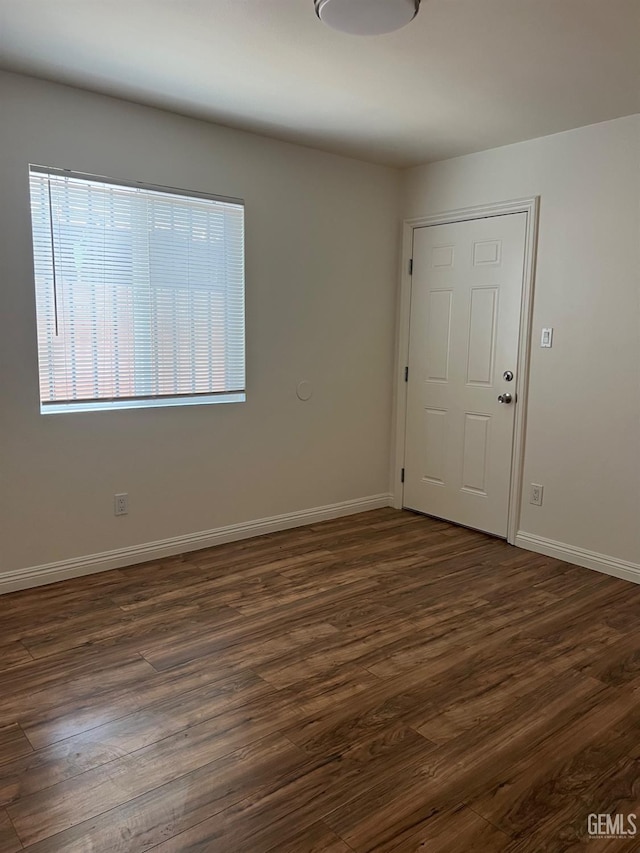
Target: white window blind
<point x="139" y="294"/>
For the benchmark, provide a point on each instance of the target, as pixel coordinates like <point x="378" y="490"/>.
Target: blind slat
<point x="139" y="293"/>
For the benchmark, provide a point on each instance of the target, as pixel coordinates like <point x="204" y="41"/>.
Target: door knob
<point x="505" y="398"/>
<point x="507" y="375"/>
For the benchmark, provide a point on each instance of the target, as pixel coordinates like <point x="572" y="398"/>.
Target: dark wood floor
<point x="380" y="682"/>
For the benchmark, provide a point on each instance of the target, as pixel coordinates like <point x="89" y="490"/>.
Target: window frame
<point x="137" y="402"/>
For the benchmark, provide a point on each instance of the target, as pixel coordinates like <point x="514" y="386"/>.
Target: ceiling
<point x="464" y="76"/>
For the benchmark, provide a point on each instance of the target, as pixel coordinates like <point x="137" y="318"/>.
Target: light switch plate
<point x="546" y="339"/>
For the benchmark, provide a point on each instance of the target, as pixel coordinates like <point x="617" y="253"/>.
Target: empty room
<point x="319" y="426"/>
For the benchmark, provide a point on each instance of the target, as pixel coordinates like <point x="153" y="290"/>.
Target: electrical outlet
<point x="535" y="495"/>
<point x="121" y="504"/>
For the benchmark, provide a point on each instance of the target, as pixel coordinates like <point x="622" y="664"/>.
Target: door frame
<point x="531" y="207"/>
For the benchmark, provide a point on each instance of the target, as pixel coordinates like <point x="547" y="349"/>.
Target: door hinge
<point x="410" y="266"/>
<point x="402" y="476"/>
<point x="406" y="374"/>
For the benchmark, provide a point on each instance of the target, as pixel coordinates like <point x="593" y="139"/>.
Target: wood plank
<point x="125" y="630"/>
<point x="454" y="829"/>
<point x="382" y="682"/>
<point x="32" y="683"/>
<point x="256" y="631"/>
<point x="260" y="823"/>
<point x="13" y="743"/>
<point x="141" y="823"/>
<point x="456" y="771"/>
<point x="12" y="653"/>
<point x="524" y="795"/>
<point x="82" y="797"/>
<point x="9" y="841"/>
<point x="317" y="838"/>
<point x="363" y="645"/>
<point x="617" y="663"/>
<point x="106" y="743"/>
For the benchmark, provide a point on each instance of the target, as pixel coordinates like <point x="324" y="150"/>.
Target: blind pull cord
<point x="53" y="259"/>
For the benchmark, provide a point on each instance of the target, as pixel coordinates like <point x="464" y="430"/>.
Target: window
<point x="139" y="294"/>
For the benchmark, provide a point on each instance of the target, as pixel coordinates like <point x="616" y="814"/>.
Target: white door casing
<point x="464" y="329"/>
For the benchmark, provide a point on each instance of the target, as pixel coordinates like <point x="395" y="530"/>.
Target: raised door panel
<point x="475" y="453"/>
<point x="438" y="335"/>
<point x="481" y="347"/>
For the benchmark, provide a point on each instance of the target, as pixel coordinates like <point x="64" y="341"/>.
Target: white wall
<point x="321" y="277"/>
<point x="583" y="435"/>
<point x="322" y="237"/>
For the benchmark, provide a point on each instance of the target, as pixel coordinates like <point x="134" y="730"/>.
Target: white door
<point x="464" y="329"/>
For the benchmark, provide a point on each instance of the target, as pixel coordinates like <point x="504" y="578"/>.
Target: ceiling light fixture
<point x="366" y="17"/>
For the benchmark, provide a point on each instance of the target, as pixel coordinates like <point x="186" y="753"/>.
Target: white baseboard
<point x="581" y="557"/>
<point x="116" y="559"/>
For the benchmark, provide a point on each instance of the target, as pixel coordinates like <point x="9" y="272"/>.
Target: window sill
<point x="155" y="403"/>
